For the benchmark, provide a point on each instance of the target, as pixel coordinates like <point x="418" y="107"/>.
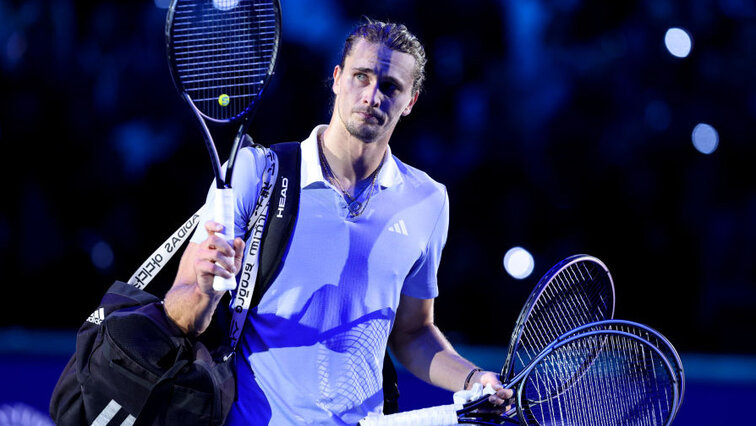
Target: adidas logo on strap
<point x="399" y="227"/>
<point x="97" y="316"/>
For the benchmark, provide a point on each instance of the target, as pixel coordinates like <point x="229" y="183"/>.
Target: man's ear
<point x="408" y="109"/>
<point x="336" y="79"/>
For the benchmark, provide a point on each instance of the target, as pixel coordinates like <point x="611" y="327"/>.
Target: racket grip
<point x="443" y="415"/>
<point x="223" y="213"/>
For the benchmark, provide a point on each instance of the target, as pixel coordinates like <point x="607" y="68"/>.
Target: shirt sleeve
<point x="422" y="282"/>
<point x="245" y="184"/>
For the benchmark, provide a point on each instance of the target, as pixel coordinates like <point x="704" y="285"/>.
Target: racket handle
<point x="443" y="415"/>
<point x="223" y="213"/>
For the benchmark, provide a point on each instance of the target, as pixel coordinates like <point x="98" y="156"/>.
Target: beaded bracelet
<point x="469" y="376"/>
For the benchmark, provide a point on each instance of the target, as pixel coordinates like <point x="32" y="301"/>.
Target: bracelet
<point x="469" y="376"/>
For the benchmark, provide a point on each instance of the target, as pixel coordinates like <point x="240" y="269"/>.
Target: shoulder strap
<point x="272" y="230"/>
<point x="281" y="217"/>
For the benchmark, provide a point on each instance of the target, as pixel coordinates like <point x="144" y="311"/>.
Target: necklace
<point x="355" y="207"/>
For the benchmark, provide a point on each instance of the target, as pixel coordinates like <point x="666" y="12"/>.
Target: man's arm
<point x="191" y="301"/>
<point x="419" y="345"/>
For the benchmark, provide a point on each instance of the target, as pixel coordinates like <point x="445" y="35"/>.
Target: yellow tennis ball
<point x="223" y="100"/>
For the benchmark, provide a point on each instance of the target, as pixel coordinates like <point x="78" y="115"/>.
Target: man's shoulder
<point x="418" y="178"/>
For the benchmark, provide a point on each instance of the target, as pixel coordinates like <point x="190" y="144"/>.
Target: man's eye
<point x="360" y="76"/>
<point x="389" y="88"/>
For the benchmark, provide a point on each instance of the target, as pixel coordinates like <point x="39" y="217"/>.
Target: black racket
<point x="222" y="54"/>
<point x="602" y="377"/>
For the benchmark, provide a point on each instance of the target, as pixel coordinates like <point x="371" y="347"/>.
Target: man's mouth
<point x="369" y="116"/>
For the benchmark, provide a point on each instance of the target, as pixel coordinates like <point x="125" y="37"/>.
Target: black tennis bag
<point x="133" y="366"/>
<point x="131" y="363"/>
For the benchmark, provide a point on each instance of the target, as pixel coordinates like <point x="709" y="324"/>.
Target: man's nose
<point x="371" y="96"/>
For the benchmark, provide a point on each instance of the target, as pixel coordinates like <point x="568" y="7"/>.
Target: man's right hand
<point x="215" y="256"/>
<point x="191" y="301"/>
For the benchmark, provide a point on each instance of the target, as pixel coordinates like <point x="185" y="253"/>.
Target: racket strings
<point x="658" y="341"/>
<point x="224" y="55"/>
<point x="602" y="379"/>
<point x="579" y="294"/>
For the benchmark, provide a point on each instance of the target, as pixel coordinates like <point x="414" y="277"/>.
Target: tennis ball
<point x="223" y="100"/>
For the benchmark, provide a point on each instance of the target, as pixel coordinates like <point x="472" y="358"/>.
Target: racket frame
<point x="568" y="338"/>
<point x="507" y="370"/>
<point x="223" y="180"/>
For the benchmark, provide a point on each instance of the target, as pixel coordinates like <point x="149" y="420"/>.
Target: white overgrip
<point x="442" y="415"/>
<point x="223" y="213"/>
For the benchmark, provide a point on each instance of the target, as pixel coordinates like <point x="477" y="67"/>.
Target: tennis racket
<point x="653" y="337"/>
<point x="599" y="377"/>
<point x="574" y="292"/>
<point x="222" y="54"/>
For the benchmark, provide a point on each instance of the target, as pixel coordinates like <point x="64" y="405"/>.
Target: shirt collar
<point x="312" y="173"/>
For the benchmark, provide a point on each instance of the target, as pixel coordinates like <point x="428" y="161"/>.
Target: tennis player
<point x="360" y="273"/>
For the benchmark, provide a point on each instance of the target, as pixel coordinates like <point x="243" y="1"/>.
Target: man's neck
<point x="350" y="159"/>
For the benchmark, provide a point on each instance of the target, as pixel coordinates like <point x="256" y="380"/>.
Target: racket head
<point x="576" y="291"/>
<point x="650" y="335"/>
<point x="598" y="377"/>
<point x="223" y="53"/>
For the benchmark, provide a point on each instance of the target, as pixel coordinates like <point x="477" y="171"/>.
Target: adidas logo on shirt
<point x="399" y="227"/>
<point x="97" y="316"/>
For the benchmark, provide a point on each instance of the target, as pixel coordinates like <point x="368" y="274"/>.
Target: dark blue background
<point x="562" y="126"/>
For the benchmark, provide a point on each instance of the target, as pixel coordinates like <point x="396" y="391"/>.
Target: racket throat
<point x="238" y="144"/>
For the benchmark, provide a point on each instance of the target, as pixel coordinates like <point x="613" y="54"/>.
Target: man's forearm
<point x="191" y="309"/>
<point x="428" y="355"/>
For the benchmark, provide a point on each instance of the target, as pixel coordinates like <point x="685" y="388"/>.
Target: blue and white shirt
<point x="313" y="349"/>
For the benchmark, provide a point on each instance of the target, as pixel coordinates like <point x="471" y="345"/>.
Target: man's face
<point x="373" y="90"/>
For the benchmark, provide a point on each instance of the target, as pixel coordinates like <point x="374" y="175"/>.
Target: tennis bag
<point x="133" y="366"/>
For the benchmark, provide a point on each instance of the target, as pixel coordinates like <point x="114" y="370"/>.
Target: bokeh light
<point x="678" y="42"/>
<point x="705" y="138"/>
<point x="658" y="115"/>
<point x="518" y="263"/>
<point x="102" y="255"/>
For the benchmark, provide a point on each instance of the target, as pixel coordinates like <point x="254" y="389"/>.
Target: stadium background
<point x="560" y="126"/>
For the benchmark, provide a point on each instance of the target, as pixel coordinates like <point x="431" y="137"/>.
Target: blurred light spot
<point x="163" y="4"/>
<point x="705" y="138"/>
<point x="140" y="145"/>
<point x="102" y="255"/>
<point x="678" y="42"/>
<point x="450" y="58"/>
<point x="225" y="4"/>
<point x="316" y="24"/>
<point x="738" y="8"/>
<point x="518" y="263"/>
<point x="15" y="48"/>
<point x="20" y="414"/>
<point x="658" y="115"/>
<point x="472" y="108"/>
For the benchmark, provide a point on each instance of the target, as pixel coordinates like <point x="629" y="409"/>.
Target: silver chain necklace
<point x="355" y="207"/>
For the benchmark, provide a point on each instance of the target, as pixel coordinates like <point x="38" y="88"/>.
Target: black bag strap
<point x="282" y="216"/>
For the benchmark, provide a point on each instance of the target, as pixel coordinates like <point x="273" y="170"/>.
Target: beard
<point x="361" y="129"/>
